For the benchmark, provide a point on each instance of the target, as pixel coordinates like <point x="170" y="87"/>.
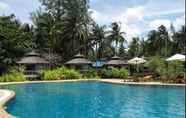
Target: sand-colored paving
<point x="5" y="96"/>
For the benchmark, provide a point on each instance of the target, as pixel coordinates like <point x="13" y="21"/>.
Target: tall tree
<point x="64" y="24"/>
<point x="164" y="42"/>
<point x="158" y="42"/>
<point x="116" y="36"/>
<point x="134" y="47"/>
<point x="99" y="36"/>
<point x="179" y="41"/>
<point x="15" y="40"/>
<point x="45" y="31"/>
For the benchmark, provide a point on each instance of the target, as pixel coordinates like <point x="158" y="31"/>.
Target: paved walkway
<point x="115" y="81"/>
<point x="5" y="96"/>
<point x="121" y="81"/>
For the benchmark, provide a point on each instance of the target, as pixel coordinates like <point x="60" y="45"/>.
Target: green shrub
<point x="52" y="75"/>
<point x="115" y="73"/>
<point x="106" y="73"/>
<point x="168" y="71"/>
<point x="174" y="69"/>
<point x="91" y="74"/>
<point x="124" y="73"/>
<point x="15" y="74"/>
<point x="61" y="73"/>
<point x="71" y="74"/>
<point x="157" y="65"/>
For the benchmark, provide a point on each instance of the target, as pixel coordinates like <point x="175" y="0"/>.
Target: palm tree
<point x="134" y="47"/>
<point x="116" y="35"/>
<point x="75" y="25"/>
<point x="179" y="41"/>
<point x="99" y="36"/>
<point x="64" y="26"/>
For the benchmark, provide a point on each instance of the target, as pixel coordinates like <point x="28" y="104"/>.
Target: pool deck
<point x="121" y="81"/>
<point x="114" y="81"/>
<point x="6" y="95"/>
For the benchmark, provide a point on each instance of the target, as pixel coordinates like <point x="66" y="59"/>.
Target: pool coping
<point x="113" y="81"/>
<point x="120" y="81"/>
<point x="6" y="95"/>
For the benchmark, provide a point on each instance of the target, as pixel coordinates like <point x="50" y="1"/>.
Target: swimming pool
<point x="96" y="100"/>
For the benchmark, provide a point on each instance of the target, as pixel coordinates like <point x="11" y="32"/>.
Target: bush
<point x="168" y="71"/>
<point x="106" y="73"/>
<point x="16" y="74"/>
<point x="124" y="73"/>
<point x="173" y="71"/>
<point x="61" y="73"/>
<point x="52" y="75"/>
<point x="91" y="74"/>
<point x="115" y="73"/>
<point x="71" y="74"/>
<point x="157" y="65"/>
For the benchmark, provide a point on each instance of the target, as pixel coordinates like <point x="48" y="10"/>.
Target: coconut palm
<point x="116" y="35"/>
<point x="99" y="36"/>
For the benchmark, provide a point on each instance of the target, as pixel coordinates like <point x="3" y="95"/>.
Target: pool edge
<point x="113" y="81"/>
<point x="6" y="96"/>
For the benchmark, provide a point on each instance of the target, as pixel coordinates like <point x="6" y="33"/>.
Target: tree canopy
<point x="65" y="28"/>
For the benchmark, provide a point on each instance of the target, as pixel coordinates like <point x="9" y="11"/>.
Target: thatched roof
<point x="79" y="60"/>
<point x="33" y="58"/>
<point x="115" y="61"/>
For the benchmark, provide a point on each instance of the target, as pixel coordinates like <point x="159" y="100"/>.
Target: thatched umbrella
<point x="116" y="62"/>
<point x="79" y="59"/>
<point x="176" y="57"/>
<point x="136" y="61"/>
<point x="79" y="62"/>
<point x="32" y="58"/>
<point x="34" y="63"/>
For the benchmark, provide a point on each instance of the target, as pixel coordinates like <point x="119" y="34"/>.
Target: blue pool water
<point x="96" y="100"/>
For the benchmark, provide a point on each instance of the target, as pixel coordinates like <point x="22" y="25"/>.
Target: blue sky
<point x="137" y="17"/>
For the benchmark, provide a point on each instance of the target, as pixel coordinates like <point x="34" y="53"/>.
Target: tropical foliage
<point x="65" y="28"/>
<point x="115" y="73"/>
<point x="91" y="74"/>
<point x="15" y="39"/>
<point x="15" y="74"/>
<point x="168" y="72"/>
<point x="60" y="74"/>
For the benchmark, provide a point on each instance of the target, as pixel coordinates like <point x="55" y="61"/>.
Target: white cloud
<point x="3" y="7"/>
<point x="164" y="7"/>
<point x="130" y="30"/>
<point x="138" y="20"/>
<point x="95" y="15"/>
<point x="131" y="15"/>
<point x="179" y="22"/>
<point x="158" y="22"/>
<point x="165" y="12"/>
<point x="104" y="18"/>
<point x="134" y="14"/>
<point x="127" y="20"/>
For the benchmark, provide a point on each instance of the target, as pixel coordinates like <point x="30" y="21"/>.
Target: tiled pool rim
<point x="5" y="96"/>
<point x="8" y="95"/>
<point x="112" y="80"/>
